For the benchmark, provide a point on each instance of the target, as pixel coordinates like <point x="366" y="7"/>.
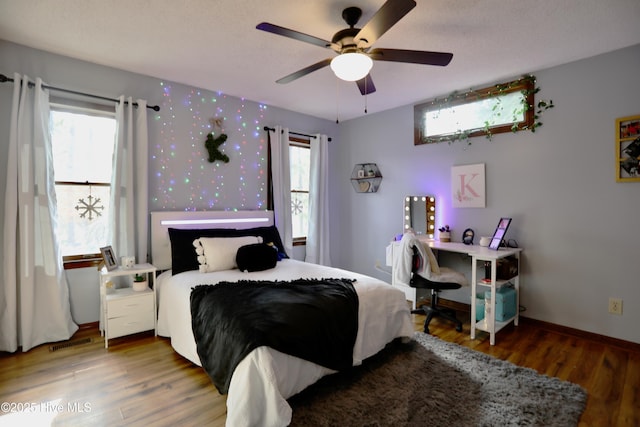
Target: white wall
<point x="577" y="225"/>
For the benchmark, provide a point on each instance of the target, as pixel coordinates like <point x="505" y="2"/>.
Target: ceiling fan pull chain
<point x="337" y="100"/>
<point x="366" y="92"/>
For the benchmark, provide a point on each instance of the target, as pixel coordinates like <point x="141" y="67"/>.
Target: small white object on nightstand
<point x="128" y="262"/>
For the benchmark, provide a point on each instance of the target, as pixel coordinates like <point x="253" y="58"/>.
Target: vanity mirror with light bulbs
<point x="420" y="214"/>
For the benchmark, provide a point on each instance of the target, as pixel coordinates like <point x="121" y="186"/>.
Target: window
<point x="484" y="112"/>
<point x="82" y="142"/>
<point x="300" y="161"/>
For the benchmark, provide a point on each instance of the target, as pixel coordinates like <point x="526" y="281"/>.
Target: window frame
<point x="526" y="86"/>
<point x="301" y="143"/>
<point x="71" y="262"/>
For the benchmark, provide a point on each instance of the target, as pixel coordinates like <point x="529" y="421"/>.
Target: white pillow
<point x="219" y="253"/>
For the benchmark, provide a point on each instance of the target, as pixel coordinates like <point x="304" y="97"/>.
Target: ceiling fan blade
<point x="386" y="17"/>
<point x="301" y="73"/>
<point x="411" y="56"/>
<point x="366" y="85"/>
<point x="296" y="35"/>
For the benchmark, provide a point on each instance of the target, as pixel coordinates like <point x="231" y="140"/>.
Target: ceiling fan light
<point x="351" y="66"/>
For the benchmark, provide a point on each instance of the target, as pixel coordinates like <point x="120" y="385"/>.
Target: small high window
<point x="496" y="109"/>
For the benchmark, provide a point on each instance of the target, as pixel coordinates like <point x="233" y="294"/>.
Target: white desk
<point x="477" y="254"/>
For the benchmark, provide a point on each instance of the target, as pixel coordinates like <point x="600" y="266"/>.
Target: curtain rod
<point x="267" y="128"/>
<point x="4" y="79"/>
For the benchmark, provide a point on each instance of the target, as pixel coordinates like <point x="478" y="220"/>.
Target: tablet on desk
<point x="499" y="234"/>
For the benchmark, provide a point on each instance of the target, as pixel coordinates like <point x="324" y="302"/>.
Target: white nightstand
<point x="124" y="311"/>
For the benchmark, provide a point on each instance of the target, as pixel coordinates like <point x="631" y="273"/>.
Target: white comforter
<point x="265" y="378"/>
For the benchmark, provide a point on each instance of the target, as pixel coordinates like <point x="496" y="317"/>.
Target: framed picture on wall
<point x="468" y="186"/>
<point x="628" y="149"/>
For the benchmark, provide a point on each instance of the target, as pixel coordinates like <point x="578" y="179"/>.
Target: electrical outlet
<point x="615" y="305"/>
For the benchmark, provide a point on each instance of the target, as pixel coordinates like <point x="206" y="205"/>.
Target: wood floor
<point x="141" y="381"/>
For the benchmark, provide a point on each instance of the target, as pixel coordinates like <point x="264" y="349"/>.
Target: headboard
<point x="162" y="221"/>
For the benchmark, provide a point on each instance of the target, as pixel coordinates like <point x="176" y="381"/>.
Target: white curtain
<point x="34" y="294"/>
<point x="317" y="250"/>
<point x="281" y="183"/>
<point x="130" y="181"/>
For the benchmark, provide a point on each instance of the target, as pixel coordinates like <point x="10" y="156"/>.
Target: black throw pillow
<point x="256" y="257"/>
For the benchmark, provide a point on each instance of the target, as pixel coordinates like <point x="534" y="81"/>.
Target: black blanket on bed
<point x="316" y="320"/>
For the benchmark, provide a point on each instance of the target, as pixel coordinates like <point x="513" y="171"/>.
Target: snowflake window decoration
<point x="86" y="209"/>
<point x="297" y="206"/>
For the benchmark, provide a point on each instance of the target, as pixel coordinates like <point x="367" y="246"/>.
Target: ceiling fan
<point x="353" y="46"/>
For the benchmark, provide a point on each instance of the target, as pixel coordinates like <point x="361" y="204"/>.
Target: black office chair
<point x="433" y="310"/>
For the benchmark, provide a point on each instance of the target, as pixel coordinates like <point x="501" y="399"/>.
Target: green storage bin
<point x="479" y="307"/>
<point x="505" y="306"/>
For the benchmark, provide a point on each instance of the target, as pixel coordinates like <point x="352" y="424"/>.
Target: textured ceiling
<point x="213" y="44"/>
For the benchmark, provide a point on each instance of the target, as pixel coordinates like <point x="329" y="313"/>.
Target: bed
<point x="262" y="381"/>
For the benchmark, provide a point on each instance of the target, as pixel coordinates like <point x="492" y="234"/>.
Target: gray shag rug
<point x="432" y="382"/>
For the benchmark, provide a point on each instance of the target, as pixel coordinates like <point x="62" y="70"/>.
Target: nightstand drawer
<point x="131" y="324"/>
<point x="130" y="305"/>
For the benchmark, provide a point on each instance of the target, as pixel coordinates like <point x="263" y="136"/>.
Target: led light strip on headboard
<point x="169" y="222"/>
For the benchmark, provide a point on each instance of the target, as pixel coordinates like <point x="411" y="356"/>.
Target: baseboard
<point x="614" y="342"/>
<point x="592" y="336"/>
<point x="90" y="325"/>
